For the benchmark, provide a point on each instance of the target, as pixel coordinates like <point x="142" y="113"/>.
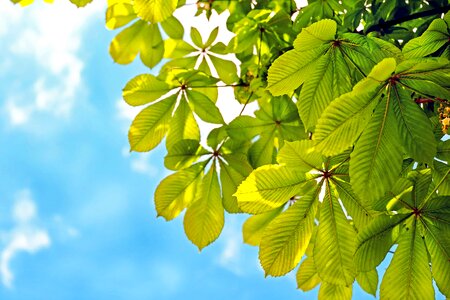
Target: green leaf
<point x="301" y="156"/>
<point x="183" y="154"/>
<point x="375" y="240"/>
<point x="233" y="171"/>
<point x="226" y="69"/>
<point x="204" y="219"/>
<point x="204" y="107"/>
<point x="119" y="14"/>
<point x="196" y="37"/>
<point x="437" y="240"/>
<point x="330" y="79"/>
<point x="441" y="175"/>
<point x="307" y="277"/>
<point x="360" y="212"/>
<point x="335" y="242"/>
<point x="316" y="35"/>
<point x="212" y="37"/>
<point x="183" y="125"/>
<point x="343" y="121"/>
<point x="285" y="239"/>
<point x="81" y="3"/>
<point x="173" y="27"/>
<point x="126" y="45"/>
<point x="443" y="150"/>
<point x="408" y="275"/>
<point x="422" y="180"/>
<point x="154" y="11"/>
<point x="414" y="126"/>
<point x="291" y="69"/>
<point x="178" y="49"/>
<point x="219" y="48"/>
<point x="426" y="87"/>
<point x="269" y="187"/>
<point x="151" y="125"/>
<point x="153" y="52"/>
<point x="246" y="127"/>
<point x="345" y="118"/>
<point x="329" y="291"/>
<point x="175" y="192"/>
<point x="254" y="227"/>
<point x="263" y="151"/>
<point x="429" y="42"/>
<point x="143" y="89"/>
<point x="376" y="148"/>
<point x="368" y="281"/>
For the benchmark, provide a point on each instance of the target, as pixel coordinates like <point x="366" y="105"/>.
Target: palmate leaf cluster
<point x="344" y="162"/>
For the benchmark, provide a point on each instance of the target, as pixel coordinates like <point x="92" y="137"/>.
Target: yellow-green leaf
<point x="375" y="240"/>
<point x="182" y="126"/>
<point x="175" y="192"/>
<point x="408" y="275"/>
<point x="269" y="187"/>
<point x="119" y="14"/>
<point x="254" y="227"/>
<point x="154" y="11"/>
<point x="151" y="125"/>
<point x="80" y="3"/>
<point x="316" y="35"/>
<point x="329" y="291"/>
<point x="437" y="240"/>
<point x="368" y="281"/>
<point x="377" y="148"/>
<point x="335" y="242"/>
<point x="183" y="154"/>
<point x="233" y="171"/>
<point x="143" y="89"/>
<point x="204" y="219"/>
<point x="126" y="45"/>
<point x="301" y="156"/>
<point x="204" y="107"/>
<point x="226" y="69"/>
<point x="285" y="239"/>
<point x="307" y="277"/>
<point x="360" y="212"/>
<point x="173" y="27"/>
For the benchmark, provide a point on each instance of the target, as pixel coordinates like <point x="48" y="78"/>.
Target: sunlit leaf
<point x="154" y="11"/>
<point x="151" y="125"/>
<point x="408" y="275"/>
<point x="255" y="226"/>
<point x="307" y="277"/>
<point x="144" y="89"/>
<point x="269" y="187"/>
<point x="204" y="219"/>
<point x="335" y="242"/>
<point x="285" y="239"/>
<point x="375" y="240"/>
<point x="175" y="192"/>
<point x="368" y="281"/>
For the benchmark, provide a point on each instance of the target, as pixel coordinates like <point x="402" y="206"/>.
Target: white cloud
<point x="49" y="38"/>
<point x="231" y="256"/>
<point x="24" y="237"/>
<point x="126" y="112"/>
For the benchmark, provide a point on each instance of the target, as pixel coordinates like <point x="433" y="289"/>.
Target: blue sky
<point x="77" y="219"/>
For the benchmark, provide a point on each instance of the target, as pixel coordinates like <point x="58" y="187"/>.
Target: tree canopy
<point x="346" y="158"/>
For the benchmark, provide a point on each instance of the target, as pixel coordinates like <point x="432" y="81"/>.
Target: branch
<point x="427" y="13"/>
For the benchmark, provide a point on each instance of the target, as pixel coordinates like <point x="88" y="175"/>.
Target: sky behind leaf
<point x="77" y="218"/>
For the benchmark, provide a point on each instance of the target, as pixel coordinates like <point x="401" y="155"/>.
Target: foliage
<point x="346" y="157"/>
